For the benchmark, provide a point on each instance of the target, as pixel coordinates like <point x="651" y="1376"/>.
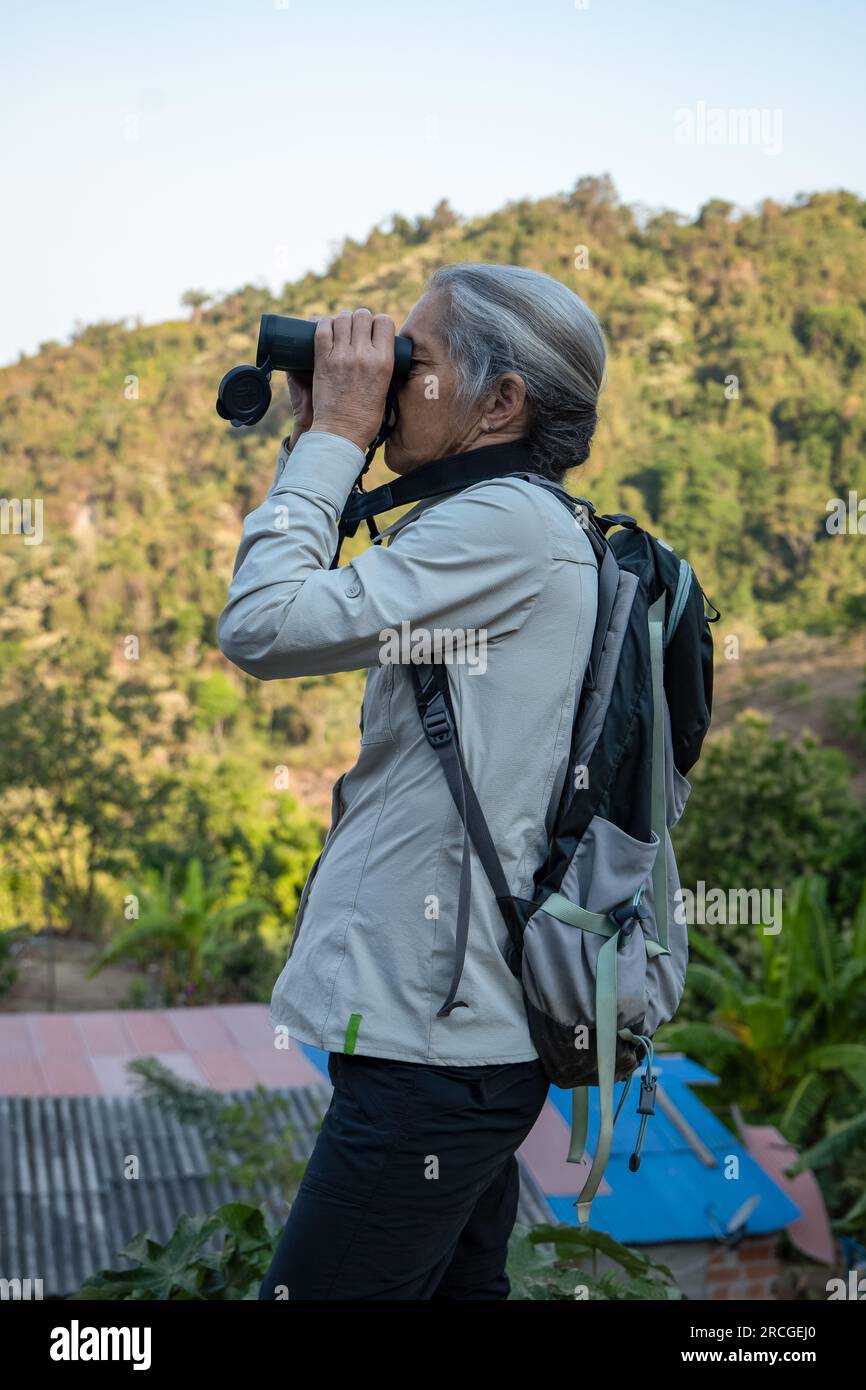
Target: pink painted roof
<point x="226" y="1046"/>
<point x="811" y="1232"/>
<point x="544" y="1151"/>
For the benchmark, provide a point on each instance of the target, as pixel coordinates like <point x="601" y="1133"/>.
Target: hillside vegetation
<point x="735" y="409"/>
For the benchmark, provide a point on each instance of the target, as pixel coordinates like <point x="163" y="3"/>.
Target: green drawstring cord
<point x="625" y="1091"/>
<point x="634" y="1161"/>
<point x="648" y="1085"/>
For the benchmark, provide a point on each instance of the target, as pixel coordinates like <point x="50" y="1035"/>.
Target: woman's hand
<point x="301" y="400"/>
<point x="354" y="365"/>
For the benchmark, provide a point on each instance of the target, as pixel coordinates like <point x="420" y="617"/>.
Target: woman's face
<point x="429" y="426"/>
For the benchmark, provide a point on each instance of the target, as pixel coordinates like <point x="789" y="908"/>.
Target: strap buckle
<point x="436" y="719"/>
<point x="628" y="916"/>
<point x="437" y="725"/>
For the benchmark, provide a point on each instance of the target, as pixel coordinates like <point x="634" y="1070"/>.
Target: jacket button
<point x="354" y="589"/>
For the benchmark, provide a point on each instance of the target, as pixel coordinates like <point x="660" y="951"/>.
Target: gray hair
<point x="505" y="318"/>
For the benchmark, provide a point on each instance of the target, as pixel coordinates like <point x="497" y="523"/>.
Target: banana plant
<point x="179" y="924"/>
<point x="785" y="1043"/>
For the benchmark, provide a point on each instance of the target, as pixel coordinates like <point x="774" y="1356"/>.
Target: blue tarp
<point x="674" y="1195"/>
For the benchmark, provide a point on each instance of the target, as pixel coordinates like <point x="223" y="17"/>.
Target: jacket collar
<point x="439" y="478"/>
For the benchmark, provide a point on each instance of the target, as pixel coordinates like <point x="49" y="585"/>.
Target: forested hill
<point x="735" y="409"/>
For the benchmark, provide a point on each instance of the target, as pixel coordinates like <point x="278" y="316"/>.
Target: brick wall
<point x="704" y="1269"/>
<point x="749" y="1271"/>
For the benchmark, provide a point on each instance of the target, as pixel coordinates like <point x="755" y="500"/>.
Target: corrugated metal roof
<point x="66" y="1207"/>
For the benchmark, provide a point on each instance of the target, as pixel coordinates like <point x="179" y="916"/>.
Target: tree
<point x="443" y="216"/>
<point x="221" y="814"/>
<point x="716" y="210"/>
<point x="217" y="698"/>
<point x="75" y="805"/>
<point x="764" y="809"/>
<point x="195" y="300"/>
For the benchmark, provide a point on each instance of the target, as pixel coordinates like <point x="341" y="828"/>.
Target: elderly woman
<point x="412" y="1189"/>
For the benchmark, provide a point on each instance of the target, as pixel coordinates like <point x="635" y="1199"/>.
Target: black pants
<point x="411" y="1191"/>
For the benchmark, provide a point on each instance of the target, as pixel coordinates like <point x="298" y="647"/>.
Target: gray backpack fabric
<point x="601" y="948"/>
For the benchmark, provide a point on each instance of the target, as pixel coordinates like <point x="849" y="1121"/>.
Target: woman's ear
<point x="506" y="407"/>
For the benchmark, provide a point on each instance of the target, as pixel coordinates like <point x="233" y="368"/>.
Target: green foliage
<point x="764" y="810"/>
<point x="8" y="968"/>
<point x="90" y="815"/>
<point x="223" y="815"/>
<point x="771" y="297"/>
<point x="184" y="1268"/>
<point x="835" y="329"/>
<point x="544" y="1263"/>
<point x="217" y="698"/>
<point x="195" y="299"/>
<point x="558" y="1263"/>
<point x="145" y="490"/>
<point x="787" y="1044"/>
<point x="183" y="926"/>
<point x="243" y="1141"/>
<point x="74" y="803"/>
<point x="851" y="1195"/>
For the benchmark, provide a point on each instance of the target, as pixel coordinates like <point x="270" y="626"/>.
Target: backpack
<point x="601" y="946"/>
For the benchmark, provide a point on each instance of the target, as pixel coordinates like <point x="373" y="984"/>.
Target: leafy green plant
<point x="8" y="968"/>
<point x="179" y="924"/>
<point x="72" y="799"/>
<point x="563" y="1262"/>
<point x="219" y="815"/>
<point x="184" y="1269"/>
<point x="851" y="1199"/>
<point x="243" y="1140"/>
<point x="764" y="809"/>
<point x="787" y="1045"/>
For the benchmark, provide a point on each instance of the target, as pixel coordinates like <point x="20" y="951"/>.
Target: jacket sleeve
<point x="477" y="560"/>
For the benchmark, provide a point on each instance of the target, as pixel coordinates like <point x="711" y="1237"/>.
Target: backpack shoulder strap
<point x="433" y="700"/>
<point x="556" y="488"/>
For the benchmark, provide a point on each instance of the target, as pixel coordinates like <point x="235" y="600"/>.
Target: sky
<point x="156" y="146"/>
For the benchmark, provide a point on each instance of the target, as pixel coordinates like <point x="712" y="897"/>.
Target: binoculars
<point x="285" y="345"/>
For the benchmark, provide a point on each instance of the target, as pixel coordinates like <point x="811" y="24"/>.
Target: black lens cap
<point x="244" y="396"/>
